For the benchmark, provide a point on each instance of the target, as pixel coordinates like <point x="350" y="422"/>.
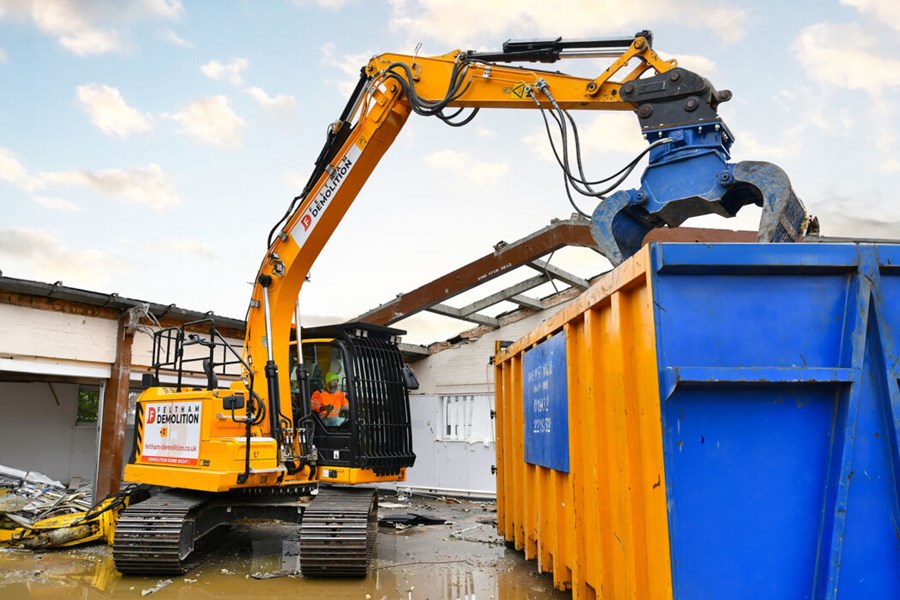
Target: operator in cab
<point x="331" y="404"/>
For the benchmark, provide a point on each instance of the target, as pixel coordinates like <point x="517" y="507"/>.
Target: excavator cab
<point x="350" y="387"/>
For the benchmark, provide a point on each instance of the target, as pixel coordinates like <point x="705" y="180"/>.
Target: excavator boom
<point x="688" y="172"/>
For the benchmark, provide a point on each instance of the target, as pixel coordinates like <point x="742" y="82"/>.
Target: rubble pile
<point x="28" y="497"/>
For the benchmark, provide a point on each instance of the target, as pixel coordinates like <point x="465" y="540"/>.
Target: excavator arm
<point x="688" y="172"/>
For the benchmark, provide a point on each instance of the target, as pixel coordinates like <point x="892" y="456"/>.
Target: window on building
<point x="133" y="395"/>
<point x="467" y="418"/>
<point x="88" y="405"/>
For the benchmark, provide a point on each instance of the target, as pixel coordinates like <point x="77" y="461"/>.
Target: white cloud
<point x="703" y="66"/>
<point x="109" y="112"/>
<point x="176" y="40"/>
<point x="190" y="247"/>
<point x="149" y="185"/>
<point x="846" y="56"/>
<point x="42" y="256"/>
<point x="72" y="27"/>
<point x="613" y="132"/>
<point x="14" y="173"/>
<point x="166" y="9"/>
<point x="885" y="11"/>
<point x="327" y="4"/>
<point x="56" y="204"/>
<point x="850" y="56"/>
<point x="465" y="165"/>
<point x="609" y="132"/>
<point x="211" y="120"/>
<point x="3" y="58"/>
<point x="452" y="22"/>
<point x="278" y="102"/>
<point x="349" y="64"/>
<point x="752" y="148"/>
<point x="809" y="104"/>
<point x="891" y="165"/>
<point x="296" y="181"/>
<point x="230" y="72"/>
<point x="88" y="28"/>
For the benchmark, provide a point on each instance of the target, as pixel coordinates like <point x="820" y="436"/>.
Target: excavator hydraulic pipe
<point x="271" y="369"/>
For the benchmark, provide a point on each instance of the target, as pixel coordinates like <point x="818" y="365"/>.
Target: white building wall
<point x="39" y="432"/>
<point x="459" y="467"/>
<point x="456" y="467"/>
<point x="142" y="353"/>
<point x="30" y="332"/>
<point x="50" y="342"/>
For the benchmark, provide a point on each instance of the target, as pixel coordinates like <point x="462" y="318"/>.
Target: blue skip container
<point x="759" y="383"/>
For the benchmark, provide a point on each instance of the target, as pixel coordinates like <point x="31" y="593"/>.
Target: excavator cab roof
<point x="346" y="330"/>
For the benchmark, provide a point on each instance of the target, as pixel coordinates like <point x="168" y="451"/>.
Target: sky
<point x="147" y="147"/>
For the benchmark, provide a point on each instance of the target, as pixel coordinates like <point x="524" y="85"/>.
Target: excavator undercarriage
<point x="169" y="533"/>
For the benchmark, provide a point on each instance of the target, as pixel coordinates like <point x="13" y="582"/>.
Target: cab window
<point x="324" y="363"/>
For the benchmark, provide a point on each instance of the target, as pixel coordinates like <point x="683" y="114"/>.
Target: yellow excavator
<point x="263" y="448"/>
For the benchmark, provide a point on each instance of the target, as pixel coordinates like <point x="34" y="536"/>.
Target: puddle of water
<point x="461" y="560"/>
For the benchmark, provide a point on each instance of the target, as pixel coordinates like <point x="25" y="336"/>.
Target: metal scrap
<point x="161" y="584"/>
<point x="28" y="497"/>
<point x="403" y="521"/>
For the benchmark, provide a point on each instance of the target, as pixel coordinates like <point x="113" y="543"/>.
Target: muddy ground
<point x="461" y="559"/>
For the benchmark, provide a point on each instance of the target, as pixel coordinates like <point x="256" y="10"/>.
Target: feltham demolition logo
<point x="173" y="418"/>
<point x="325" y="195"/>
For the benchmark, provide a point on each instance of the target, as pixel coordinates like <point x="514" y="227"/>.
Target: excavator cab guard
<point x="375" y="434"/>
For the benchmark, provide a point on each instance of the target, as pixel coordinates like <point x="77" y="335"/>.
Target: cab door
<point x="322" y="360"/>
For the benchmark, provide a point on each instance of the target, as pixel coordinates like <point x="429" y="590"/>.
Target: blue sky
<point x="148" y="146"/>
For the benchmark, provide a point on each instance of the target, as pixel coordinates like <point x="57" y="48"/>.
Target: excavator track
<point x="157" y="535"/>
<point x="338" y="531"/>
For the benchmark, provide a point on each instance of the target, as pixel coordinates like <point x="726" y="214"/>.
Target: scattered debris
<point x="37" y="512"/>
<point x="405" y="520"/>
<point x="462" y="531"/>
<point x="163" y="583"/>
<point x="272" y="574"/>
<point x="399" y="500"/>
<point x="27" y="497"/>
<point x="478" y="533"/>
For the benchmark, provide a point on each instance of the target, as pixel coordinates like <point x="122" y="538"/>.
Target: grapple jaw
<point x="688" y="183"/>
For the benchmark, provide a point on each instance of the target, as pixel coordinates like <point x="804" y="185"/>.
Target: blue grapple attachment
<point x="688" y="174"/>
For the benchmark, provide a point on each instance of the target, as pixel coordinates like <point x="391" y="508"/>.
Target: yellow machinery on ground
<point x="258" y="449"/>
<point x="95" y="525"/>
